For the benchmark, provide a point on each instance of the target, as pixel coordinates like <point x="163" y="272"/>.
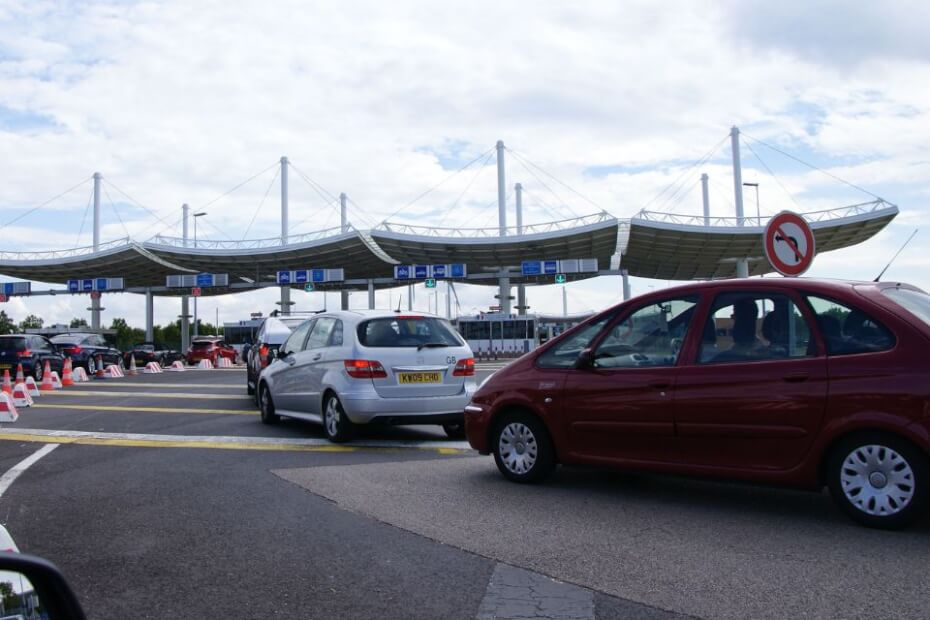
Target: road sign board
<point x="318" y="275"/>
<point x="301" y="276"/>
<point x="204" y="279"/>
<point x="87" y="285"/>
<point x="457" y="270"/>
<point x="3" y="298"/>
<point x="789" y="244"/>
<point x="420" y="271"/>
<point x="550" y="266"/>
<point x="439" y="271"/>
<point x="95" y="294"/>
<point x="308" y="287"/>
<point x="430" y="283"/>
<point x="401" y="272"/>
<point x="531" y="267"/>
<point x="195" y="292"/>
<point x="560" y="278"/>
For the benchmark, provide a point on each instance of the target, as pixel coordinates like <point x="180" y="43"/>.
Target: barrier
<point x="67" y="373"/>
<point x="80" y="375"/>
<point x="21" y="397"/>
<point x="114" y="371"/>
<point x="177" y="366"/>
<point x="56" y="380"/>
<point x="47" y="385"/>
<point x="31" y="388"/>
<point x="223" y="362"/>
<point x="8" y="411"/>
<point x="152" y="368"/>
<point x="205" y="364"/>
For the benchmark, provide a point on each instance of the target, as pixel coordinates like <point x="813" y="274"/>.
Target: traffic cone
<point x="8" y="411"/>
<point x="133" y="370"/>
<point x="20" y="377"/>
<point x="7" y="386"/>
<point x="101" y="371"/>
<point x="67" y="376"/>
<point x="31" y="387"/>
<point x="47" y="385"/>
<point x="21" y="397"/>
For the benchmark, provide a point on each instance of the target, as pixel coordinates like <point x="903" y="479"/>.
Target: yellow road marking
<point x="131" y="383"/>
<point x="144" y="409"/>
<point x="150" y="394"/>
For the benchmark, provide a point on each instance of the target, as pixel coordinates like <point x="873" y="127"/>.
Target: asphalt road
<point x="168" y="498"/>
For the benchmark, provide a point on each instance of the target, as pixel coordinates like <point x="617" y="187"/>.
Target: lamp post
<point x="758" y="213"/>
<point x="196" y="215"/>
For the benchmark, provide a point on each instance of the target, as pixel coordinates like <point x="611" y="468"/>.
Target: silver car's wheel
<point x="266" y="406"/>
<point x="877" y="480"/>
<point x="522" y="448"/>
<point x="336" y="424"/>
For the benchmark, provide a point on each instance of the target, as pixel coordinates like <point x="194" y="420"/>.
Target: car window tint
<point x="319" y="336"/>
<point x="565" y="352"/>
<point x="407" y="331"/>
<point x="295" y="341"/>
<point x="651" y="336"/>
<point x="847" y="330"/>
<point x="750" y="327"/>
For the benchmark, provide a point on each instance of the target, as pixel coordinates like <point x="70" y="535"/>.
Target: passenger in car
<point x="745" y="344"/>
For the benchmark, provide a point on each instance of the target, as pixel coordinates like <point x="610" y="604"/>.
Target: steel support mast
<point x="503" y="281"/>
<point x="742" y="263"/>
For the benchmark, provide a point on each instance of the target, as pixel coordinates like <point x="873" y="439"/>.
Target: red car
<point x="210" y="349"/>
<point x="785" y="381"/>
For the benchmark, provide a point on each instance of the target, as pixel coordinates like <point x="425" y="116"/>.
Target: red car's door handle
<point x="796" y="377"/>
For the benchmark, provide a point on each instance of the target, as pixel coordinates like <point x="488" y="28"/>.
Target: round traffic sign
<point x="3" y="298"/>
<point x="789" y="244"/>
<point x="195" y="292"/>
<point x="95" y="294"/>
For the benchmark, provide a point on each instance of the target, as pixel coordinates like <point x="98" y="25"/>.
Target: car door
<point x="618" y="402"/>
<point x="46" y="352"/>
<point x="286" y="371"/>
<point x="312" y="361"/>
<point x="754" y="396"/>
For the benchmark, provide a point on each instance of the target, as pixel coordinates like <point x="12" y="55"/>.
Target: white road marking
<point x="7" y="479"/>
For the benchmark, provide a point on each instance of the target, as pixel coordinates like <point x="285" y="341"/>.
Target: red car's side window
<point x="848" y="330"/>
<point x="649" y="336"/>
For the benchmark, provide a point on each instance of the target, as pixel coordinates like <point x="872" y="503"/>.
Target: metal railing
<point x="493" y="232"/>
<point x="246" y="244"/>
<point x="69" y="253"/>
<point x="864" y="208"/>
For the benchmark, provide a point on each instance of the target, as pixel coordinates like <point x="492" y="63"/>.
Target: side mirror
<point x="585" y="359"/>
<point x="276" y="353"/>
<point x="39" y="588"/>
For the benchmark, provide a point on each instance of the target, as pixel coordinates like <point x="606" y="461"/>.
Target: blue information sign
<point x="7" y="288"/>
<point x="550" y="266"/>
<point x="87" y="285"/>
<point x="74" y="286"/>
<point x="458" y="270"/>
<point x="531" y="267"/>
<point x="401" y="272"/>
<point x="301" y="276"/>
<point x="101" y="284"/>
<point x="420" y="271"/>
<point x="439" y="271"/>
<point x="284" y="277"/>
<point x="204" y="279"/>
<point x="318" y="275"/>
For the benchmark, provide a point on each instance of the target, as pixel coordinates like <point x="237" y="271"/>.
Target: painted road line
<point x="133" y="408"/>
<point x="125" y="384"/>
<point x="224" y="442"/>
<point x="152" y="395"/>
<point x="7" y="479"/>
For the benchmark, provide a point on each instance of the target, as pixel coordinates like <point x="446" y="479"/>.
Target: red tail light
<point x="71" y="350"/>
<point x="24" y="353"/>
<point x="465" y="368"/>
<point x="263" y="355"/>
<point x="365" y="369"/>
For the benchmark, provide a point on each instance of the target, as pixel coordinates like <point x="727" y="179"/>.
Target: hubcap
<point x="877" y="480"/>
<point x="517" y="447"/>
<point x="332" y="417"/>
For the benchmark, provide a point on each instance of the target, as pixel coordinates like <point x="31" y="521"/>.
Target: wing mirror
<point x="585" y="359"/>
<point x="36" y="588"/>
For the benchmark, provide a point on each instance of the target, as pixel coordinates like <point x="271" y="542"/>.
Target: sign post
<point x="789" y="244"/>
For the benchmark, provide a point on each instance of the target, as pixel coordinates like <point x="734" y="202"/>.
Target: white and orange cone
<point x="47" y="385"/>
<point x="56" y="380"/>
<point x="20" y="377"/>
<point x="7" y="385"/>
<point x="8" y="411"/>
<point x="31" y="387"/>
<point x="21" y="397"/>
<point x="67" y="373"/>
<point x="133" y="369"/>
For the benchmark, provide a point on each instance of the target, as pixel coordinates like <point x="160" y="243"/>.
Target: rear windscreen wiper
<point x="431" y="345"/>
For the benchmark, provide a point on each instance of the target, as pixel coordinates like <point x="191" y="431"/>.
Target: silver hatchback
<point x="351" y="367"/>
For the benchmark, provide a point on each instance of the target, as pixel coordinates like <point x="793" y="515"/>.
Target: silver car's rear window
<point x="407" y="331"/>
<point x="915" y="302"/>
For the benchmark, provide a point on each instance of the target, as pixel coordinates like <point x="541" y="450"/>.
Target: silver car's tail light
<point x="464" y="368"/>
<point x="365" y="369"/>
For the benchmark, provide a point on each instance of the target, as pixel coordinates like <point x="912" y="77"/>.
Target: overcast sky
<point x="178" y="102"/>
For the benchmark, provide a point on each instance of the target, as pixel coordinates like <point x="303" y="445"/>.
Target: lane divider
<point x="140" y="409"/>
<point x="225" y="442"/>
<point x="154" y="395"/>
<point x="134" y="383"/>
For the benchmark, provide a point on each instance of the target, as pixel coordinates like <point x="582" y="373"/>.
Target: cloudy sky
<point x="179" y="102"/>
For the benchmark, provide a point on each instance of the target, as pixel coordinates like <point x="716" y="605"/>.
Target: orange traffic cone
<point x="47" y="384"/>
<point x="7" y="385"/>
<point x="66" y="377"/>
<point x="101" y="371"/>
<point x="20" y="377"/>
<point x="133" y="370"/>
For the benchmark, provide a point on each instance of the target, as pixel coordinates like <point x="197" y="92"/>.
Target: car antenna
<point x="400" y="299"/>
<point x="879" y="276"/>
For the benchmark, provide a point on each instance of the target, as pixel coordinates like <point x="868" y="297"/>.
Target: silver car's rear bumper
<point x="363" y="410"/>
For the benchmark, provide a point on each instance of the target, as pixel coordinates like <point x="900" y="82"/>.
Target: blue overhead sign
<point x="306" y="276"/>
<point x="87" y="285"/>
<point x="531" y="267"/>
<point x="95" y="284"/>
<point x="458" y="270"/>
<point x="319" y="275"/>
<point x="423" y="272"/>
<point x="74" y="286"/>
<point x="204" y="279"/>
<point x="17" y="288"/>
<point x="301" y="276"/>
<point x="439" y="271"/>
<point x="550" y="266"/>
<point x="401" y="272"/>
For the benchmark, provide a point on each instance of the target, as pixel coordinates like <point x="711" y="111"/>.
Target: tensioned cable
<point x="813" y="167"/>
<point x="546" y="206"/>
<point x="49" y="201"/>
<point x="724" y="190"/>
<point x="559" y="181"/>
<point x="441" y="183"/>
<point x="170" y="226"/>
<point x="772" y="174"/>
<point x="699" y="162"/>
<point x="481" y="169"/>
<point x="77" y="242"/>
<point x="680" y="193"/>
<point x="307" y="219"/>
<point x="328" y="197"/>
<point x="543" y="183"/>
<point x="116" y="211"/>
<point x="371" y="222"/>
<point x="246" y="182"/>
<point x="151" y="212"/>
<point x="259" y="208"/>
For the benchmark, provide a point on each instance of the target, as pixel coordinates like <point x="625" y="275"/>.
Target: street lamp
<point x="196" y="215"/>
<point x="758" y="214"/>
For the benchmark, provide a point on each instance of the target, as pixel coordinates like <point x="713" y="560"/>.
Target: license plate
<point x="419" y="377"/>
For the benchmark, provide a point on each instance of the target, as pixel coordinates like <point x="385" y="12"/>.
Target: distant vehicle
<point x="30" y="350"/>
<point x="210" y="348"/>
<point x="346" y="368"/>
<point x="88" y="350"/>
<point x="268" y="339"/>
<point x="146" y="352"/>
<point x="790" y="381"/>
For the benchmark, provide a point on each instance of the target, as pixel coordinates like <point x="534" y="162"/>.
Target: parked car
<point x="146" y="352"/>
<point x="269" y="338"/>
<point x="347" y="368"/>
<point x="210" y="348"/>
<point x="788" y="381"/>
<point x="30" y="350"/>
<point x="88" y="350"/>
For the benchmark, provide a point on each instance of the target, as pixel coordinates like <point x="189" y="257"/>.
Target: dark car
<point x="146" y="352"/>
<point x="210" y="348"/>
<point x="30" y="350"/>
<point x="787" y="381"/>
<point x="88" y="350"/>
<point x="271" y="335"/>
